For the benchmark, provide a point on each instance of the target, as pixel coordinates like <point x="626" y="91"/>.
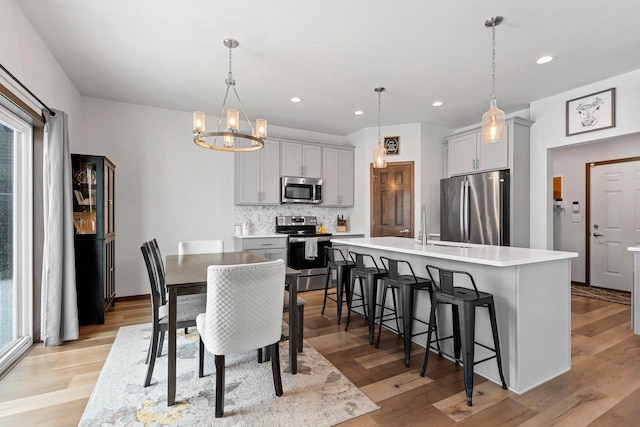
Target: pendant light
<point x="493" y="119"/>
<point x="232" y="139"/>
<point x="379" y="153"/>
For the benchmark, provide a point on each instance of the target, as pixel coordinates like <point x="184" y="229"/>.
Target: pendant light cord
<point x="379" y="95"/>
<point x="493" y="62"/>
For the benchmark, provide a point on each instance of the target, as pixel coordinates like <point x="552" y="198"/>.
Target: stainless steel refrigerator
<point x="475" y="208"/>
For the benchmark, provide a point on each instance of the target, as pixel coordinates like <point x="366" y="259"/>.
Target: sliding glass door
<point x="16" y="237"/>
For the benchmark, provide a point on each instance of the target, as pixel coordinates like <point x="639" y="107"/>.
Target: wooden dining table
<point x="187" y="274"/>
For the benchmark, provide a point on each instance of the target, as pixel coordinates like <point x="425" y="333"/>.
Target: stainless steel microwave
<point x="295" y="189"/>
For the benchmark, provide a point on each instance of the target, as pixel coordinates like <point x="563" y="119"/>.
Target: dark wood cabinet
<point x="94" y="225"/>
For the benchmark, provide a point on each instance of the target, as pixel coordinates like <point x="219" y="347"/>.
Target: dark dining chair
<point x="244" y="312"/>
<point x="187" y="310"/>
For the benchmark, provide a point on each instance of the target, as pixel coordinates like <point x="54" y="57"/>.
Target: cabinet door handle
<point x="473" y="164"/>
<point x="266" y="244"/>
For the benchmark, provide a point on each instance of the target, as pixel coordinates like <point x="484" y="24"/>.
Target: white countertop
<point x="634" y="249"/>
<point x="261" y="236"/>
<point x="498" y="256"/>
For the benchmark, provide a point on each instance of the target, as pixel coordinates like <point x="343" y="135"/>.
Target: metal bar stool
<point x="337" y="261"/>
<point x="371" y="275"/>
<point x="464" y="302"/>
<point x="406" y="284"/>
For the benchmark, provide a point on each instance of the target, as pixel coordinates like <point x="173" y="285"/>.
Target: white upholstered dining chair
<point x="244" y="312"/>
<point x="192" y="247"/>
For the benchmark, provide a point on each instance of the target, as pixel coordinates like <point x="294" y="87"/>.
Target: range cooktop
<point x="299" y="226"/>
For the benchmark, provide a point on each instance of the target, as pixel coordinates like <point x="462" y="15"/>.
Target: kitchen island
<point x="532" y="291"/>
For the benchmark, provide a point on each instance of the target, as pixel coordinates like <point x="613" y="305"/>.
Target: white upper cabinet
<point x="468" y="154"/>
<point x="301" y="160"/>
<point x="257" y="176"/>
<point x="337" y="177"/>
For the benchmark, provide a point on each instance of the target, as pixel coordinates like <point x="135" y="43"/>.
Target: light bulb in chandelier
<point x="228" y="141"/>
<point x="233" y="117"/>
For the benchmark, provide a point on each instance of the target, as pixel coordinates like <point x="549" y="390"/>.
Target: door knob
<point x="406" y="230"/>
<point x="597" y="235"/>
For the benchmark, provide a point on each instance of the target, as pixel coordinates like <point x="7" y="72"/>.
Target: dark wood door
<point x="392" y="200"/>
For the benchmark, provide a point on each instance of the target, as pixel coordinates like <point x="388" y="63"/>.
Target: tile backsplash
<point x="262" y="219"/>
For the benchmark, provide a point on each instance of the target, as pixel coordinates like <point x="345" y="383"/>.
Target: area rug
<point x="318" y="395"/>
<point x="618" y="297"/>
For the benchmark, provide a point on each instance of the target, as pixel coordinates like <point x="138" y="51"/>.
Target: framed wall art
<point x="591" y="112"/>
<point x="392" y="145"/>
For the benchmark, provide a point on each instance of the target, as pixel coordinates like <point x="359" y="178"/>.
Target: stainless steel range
<point x="303" y="243"/>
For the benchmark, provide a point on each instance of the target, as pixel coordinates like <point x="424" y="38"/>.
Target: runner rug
<point x="619" y="297"/>
<point x="318" y="395"/>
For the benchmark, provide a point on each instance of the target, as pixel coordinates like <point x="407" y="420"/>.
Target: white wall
<point x="548" y="132"/>
<point x="569" y="162"/>
<point x="432" y="171"/>
<point x="25" y="55"/>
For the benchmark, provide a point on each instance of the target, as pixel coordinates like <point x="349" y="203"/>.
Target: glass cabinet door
<point x="108" y="198"/>
<point x="85" y="197"/>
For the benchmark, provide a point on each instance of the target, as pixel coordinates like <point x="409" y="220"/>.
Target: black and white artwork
<point x="392" y="145"/>
<point x="591" y="112"/>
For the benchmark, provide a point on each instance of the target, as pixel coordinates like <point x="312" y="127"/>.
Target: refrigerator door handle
<point x="462" y="207"/>
<point x="502" y="219"/>
<point x="466" y="211"/>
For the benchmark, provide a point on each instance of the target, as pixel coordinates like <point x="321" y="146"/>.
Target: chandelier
<point x="379" y="153"/>
<point x="231" y="139"/>
<point x="493" y="119"/>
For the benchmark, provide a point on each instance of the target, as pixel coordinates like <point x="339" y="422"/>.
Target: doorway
<point x="392" y="200"/>
<point x="612" y="198"/>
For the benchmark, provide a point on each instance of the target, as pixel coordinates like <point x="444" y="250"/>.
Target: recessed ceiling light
<point x="544" y="59"/>
<point x="438" y="104"/>
<point x="295" y="99"/>
<point x="358" y="113"/>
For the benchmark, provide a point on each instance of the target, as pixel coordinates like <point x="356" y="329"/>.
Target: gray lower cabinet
<point x="272" y="248"/>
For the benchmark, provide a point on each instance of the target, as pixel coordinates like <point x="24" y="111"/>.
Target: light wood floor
<point x="51" y="386"/>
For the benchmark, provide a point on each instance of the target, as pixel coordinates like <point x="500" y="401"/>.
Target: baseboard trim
<point x="132" y="298"/>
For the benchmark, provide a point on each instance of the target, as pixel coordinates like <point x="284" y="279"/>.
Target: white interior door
<point x="615" y="223"/>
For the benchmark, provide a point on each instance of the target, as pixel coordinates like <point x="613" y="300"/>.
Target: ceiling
<point x="333" y="53"/>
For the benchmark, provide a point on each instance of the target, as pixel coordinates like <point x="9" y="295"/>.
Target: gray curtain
<point x="59" y="301"/>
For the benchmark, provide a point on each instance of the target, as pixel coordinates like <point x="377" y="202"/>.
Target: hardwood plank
<point x="395" y="385"/>
<point x="584" y="346"/>
<point x="503" y="413"/>
<point x="485" y="395"/>
<point x="604" y="324"/>
<point x="578" y="409"/>
<point x="625" y="413"/>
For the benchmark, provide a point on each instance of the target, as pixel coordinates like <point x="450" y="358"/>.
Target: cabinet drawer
<point x="264" y="243"/>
